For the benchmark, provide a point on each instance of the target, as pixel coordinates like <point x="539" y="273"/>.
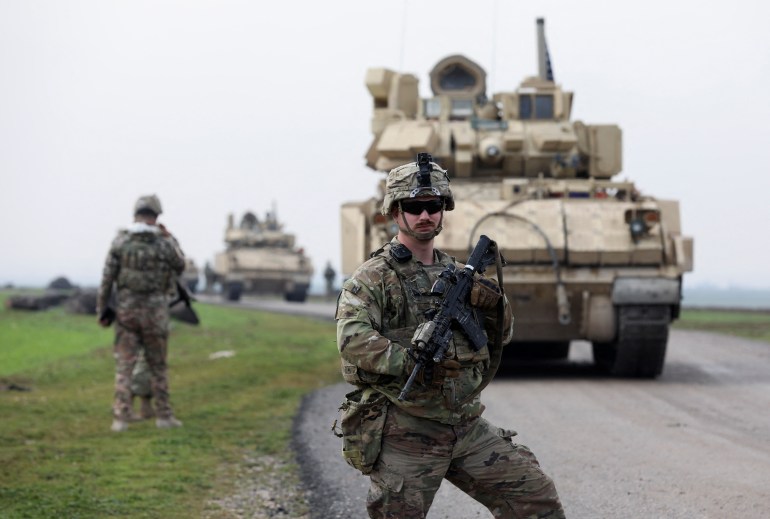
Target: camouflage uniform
<point x="141" y="378"/>
<point x="437" y="432"/>
<point x="142" y="263"/>
<point x="141" y="386"/>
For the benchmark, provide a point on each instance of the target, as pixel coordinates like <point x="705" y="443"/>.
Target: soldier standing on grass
<point x="329" y="276"/>
<point x="143" y="262"/>
<point x="409" y="447"/>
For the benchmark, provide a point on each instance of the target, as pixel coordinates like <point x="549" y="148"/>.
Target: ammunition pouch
<point x="362" y="420"/>
<point x="143" y="282"/>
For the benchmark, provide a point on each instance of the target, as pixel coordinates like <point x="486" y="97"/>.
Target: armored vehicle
<point x="190" y="276"/>
<point x="588" y="257"/>
<point x="261" y="259"/>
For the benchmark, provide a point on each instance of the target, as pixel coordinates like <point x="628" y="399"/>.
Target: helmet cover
<point x="406" y="182"/>
<point x="148" y="203"/>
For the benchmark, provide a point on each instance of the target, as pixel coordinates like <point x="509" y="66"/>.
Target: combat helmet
<point x="148" y="203"/>
<point x="420" y="178"/>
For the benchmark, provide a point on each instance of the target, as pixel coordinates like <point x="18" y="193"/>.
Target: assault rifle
<point x="185" y="313"/>
<point x="432" y="338"/>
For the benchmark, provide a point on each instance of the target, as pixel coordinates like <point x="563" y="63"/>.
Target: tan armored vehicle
<point x="261" y="259"/>
<point x="588" y="257"/>
<point x="190" y="276"/>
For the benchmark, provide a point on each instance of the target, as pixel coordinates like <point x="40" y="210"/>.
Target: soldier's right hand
<point x="163" y="231"/>
<point x="410" y="362"/>
<point x="432" y="373"/>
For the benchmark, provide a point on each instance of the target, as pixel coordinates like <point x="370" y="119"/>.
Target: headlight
<point x="640" y="221"/>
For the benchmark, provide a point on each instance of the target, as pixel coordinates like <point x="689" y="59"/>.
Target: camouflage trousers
<point x="141" y="378"/>
<point x="481" y="460"/>
<point x="141" y="330"/>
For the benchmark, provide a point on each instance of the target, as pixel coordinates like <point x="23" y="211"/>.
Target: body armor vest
<point x="144" y="268"/>
<point x="404" y="310"/>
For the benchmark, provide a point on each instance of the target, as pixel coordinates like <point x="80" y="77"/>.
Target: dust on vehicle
<point x="190" y="276"/>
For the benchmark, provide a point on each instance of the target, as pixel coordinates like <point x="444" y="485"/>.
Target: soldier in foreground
<point x="409" y="445"/>
<point x="142" y="261"/>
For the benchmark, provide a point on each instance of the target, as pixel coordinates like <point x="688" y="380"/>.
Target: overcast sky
<point x="228" y="106"/>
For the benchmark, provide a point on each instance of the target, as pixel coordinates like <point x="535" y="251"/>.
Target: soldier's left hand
<point x="484" y="293"/>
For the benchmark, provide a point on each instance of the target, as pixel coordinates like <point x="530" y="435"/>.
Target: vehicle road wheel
<point x="298" y="295"/>
<point x="233" y="291"/>
<point x="640" y="348"/>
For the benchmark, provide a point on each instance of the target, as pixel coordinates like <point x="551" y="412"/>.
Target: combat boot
<point x="119" y="426"/>
<point x="147" y="411"/>
<point x="167" y="423"/>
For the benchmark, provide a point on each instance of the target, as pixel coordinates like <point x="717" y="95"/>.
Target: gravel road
<point x="694" y="443"/>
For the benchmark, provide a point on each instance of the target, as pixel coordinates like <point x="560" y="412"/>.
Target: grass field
<point x="58" y="457"/>
<point x="742" y="323"/>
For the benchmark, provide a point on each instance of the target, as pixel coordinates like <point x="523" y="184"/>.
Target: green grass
<point x="29" y="340"/>
<point x="58" y="457"/>
<point x="746" y="323"/>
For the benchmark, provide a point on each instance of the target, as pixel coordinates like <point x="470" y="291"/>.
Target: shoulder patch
<point x="352" y="286"/>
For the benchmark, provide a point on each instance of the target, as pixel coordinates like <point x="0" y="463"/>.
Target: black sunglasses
<point x="417" y="207"/>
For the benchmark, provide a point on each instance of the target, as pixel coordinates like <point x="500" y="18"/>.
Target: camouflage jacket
<point x="144" y="265"/>
<point x="378" y="311"/>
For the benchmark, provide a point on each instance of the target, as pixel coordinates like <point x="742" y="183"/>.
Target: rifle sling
<point x="496" y="352"/>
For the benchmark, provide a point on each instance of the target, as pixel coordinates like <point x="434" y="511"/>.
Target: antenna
<point x="544" y="68"/>
<point x="403" y="39"/>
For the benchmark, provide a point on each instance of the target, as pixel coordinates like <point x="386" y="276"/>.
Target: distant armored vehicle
<point x="261" y="259"/>
<point x="190" y="276"/>
<point x="587" y="257"/>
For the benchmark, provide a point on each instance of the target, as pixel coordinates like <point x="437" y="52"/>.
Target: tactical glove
<point x="432" y="373"/>
<point x="484" y="294"/>
<point x="107" y="317"/>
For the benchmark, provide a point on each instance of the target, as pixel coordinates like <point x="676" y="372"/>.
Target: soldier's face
<point x="421" y="214"/>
